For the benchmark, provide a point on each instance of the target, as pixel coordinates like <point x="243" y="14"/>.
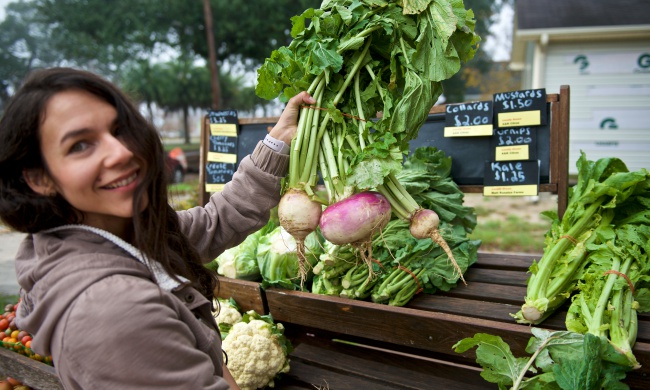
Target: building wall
<point x="610" y="98"/>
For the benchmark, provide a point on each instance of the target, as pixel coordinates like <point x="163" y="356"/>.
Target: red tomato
<point x="4" y="385"/>
<point x="26" y="339"/>
<point x="13" y="382"/>
<point x="4" y="324"/>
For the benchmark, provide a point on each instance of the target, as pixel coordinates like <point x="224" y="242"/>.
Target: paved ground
<point x="9" y="242"/>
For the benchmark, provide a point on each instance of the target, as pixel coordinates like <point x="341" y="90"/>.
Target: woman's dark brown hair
<point x="156" y="230"/>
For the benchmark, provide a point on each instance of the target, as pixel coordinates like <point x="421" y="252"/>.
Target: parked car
<point x="176" y="165"/>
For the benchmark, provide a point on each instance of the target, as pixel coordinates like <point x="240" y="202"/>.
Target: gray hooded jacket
<point x="113" y="320"/>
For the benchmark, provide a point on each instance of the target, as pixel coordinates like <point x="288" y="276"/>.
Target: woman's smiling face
<point x="87" y="161"/>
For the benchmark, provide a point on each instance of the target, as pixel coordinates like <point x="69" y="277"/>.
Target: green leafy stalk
<point x="601" y="187"/>
<point x="399" y="51"/>
<point x="559" y="360"/>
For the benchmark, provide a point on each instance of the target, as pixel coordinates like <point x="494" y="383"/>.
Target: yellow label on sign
<point x="222" y="157"/>
<point x="223" y="129"/>
<point x="513" y="152"/>
<point x="520" y="118"/>
<point x="469" y="131"/>
<point x="525" y="190"/>
<point x="214" y="187"/>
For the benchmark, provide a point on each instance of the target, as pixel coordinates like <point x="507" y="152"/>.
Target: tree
<point x="24" y="45"/>
<point x="454" y="88"/>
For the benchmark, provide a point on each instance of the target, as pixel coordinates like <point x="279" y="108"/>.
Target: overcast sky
<point x="3" y="4"/>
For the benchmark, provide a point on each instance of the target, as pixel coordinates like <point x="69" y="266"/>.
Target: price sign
<point x="512" y="178"/>
<point x="468" y="119"/>
<point x="222" y="149"/>
<point x="515" y="144"/>
<point x="521" y="108"/>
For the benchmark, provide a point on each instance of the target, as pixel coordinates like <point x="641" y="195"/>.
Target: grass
<point x="194" y="146"/>
<point x="6" y="299"/>
<point x="511" y="235"/>
<point x="184" y="195"/>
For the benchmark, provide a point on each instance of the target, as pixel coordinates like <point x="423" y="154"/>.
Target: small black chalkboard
<point x="511" y="178"/>
<point x="223" y="140"/>
<point x="469" y="119"/>
<point x="517" y="143"/>
<point x="520" y="108"/>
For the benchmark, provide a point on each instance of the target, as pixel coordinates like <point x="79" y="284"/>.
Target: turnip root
<point x="424" y="224"/>
<point x="299" y="216"/>
<point x="355" y="220"/>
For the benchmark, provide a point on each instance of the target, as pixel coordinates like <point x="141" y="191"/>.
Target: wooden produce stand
<point x="349" y="344"/>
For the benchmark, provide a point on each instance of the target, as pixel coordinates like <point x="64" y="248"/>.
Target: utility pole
<point x="212" y="55"/>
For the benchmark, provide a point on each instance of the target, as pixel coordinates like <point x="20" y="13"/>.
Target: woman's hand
<point x="287" y="125"/>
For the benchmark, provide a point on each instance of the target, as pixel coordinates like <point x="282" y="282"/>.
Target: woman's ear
<point x="39" y="181"/>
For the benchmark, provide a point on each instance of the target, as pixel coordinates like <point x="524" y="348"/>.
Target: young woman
<point x="113" y="285"/>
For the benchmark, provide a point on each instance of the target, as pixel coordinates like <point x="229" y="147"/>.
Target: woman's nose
<point x="116" y="151"/>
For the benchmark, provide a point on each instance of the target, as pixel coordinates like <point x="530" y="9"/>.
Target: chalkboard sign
<point x="521" y="108"/>
<point x="514" y="144"/>
<point x="511" y="178"/>
<point x="222" y="146"/>
<point x="468" y="119"/>
<point x="469" y="154"/>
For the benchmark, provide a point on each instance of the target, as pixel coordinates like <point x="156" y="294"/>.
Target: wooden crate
<point x="345" y="344"/>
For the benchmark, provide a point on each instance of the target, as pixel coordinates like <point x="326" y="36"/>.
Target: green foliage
<point x="6" y="299"/>
<point x="277" y="258"/>
<point x="559" y="360"/>
<point x="358" y="58"/>
<point x="513" y="234"/>
<point x="599" y="198"/>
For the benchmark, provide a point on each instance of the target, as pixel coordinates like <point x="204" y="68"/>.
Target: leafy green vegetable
<point x="277" y="258"/>
<point x="240" y="262"/>
<point x="603" y="186"/>
<point x="399" y="51"/>
<point x="559" y="360"/>
<point x="402" y="265"/>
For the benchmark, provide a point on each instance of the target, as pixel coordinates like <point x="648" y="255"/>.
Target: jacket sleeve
<point x="241" y="208"/>
<point x="107" y="344"/>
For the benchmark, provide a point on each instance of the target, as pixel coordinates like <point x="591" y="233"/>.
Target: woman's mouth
<point x="123" y="182"/>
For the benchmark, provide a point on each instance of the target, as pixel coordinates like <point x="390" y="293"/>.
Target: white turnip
<point x="355" y="220"/>
<point x="299" y="216"/>
<point x="424" y="224"/>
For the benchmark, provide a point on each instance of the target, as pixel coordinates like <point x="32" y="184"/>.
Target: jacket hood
<point x="53" y="268"/>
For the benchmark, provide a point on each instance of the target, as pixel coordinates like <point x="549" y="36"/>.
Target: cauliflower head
<point x="257" y="351"/>
<point x="228" y="313"/>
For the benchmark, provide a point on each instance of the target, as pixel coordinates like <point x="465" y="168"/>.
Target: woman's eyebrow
<point x="74" y="134"/>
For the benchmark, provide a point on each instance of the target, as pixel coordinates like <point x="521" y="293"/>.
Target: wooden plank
<point x="28" y="371"/>
<point x="432" y="331"/>
<point x="484" y="292"/>
<point x="248" y="295"/>
<point x="381" y="368"/>
<point x="486" y="310"/>
<point x="304" y="375"/>
<point x="406" y="326"/>
<point x="492" y="276"/>
<point x="560" y="115"/>
<point x="507" y="261"/>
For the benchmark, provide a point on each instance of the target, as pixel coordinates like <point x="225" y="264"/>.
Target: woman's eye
<point x="78" y="147"/>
